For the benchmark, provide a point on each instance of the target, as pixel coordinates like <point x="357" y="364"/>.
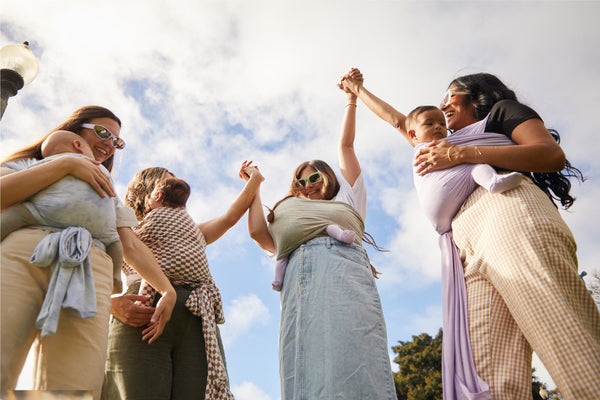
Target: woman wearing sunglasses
<point x="73" y="358"/>
<point x="332" y="338"/>
<point x="519" y="255"/>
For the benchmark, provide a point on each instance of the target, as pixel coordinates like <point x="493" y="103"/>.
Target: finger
<point x="138" y="297"/>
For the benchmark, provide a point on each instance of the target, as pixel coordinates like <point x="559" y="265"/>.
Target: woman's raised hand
<point x="352" y="81"/>
<point x="247" y="170"/>
<point x="89" y="171"/>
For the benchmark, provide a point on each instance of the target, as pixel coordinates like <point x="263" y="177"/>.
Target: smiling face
<point x="102" y="149"/>
<point x="312" y="191"/>
<point x="427" y="126"/>
<point x="459" y="110"/>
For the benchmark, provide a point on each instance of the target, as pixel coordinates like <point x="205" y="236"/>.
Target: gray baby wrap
<point x="299" y="220"/>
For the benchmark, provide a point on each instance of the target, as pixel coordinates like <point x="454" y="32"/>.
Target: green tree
<point x="420" y="368"/>
<point x="419" y="376"/>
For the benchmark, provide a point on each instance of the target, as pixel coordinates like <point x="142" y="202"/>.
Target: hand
<point x="433" y="157"/>
<point x="352" y="81"/>
<point x="161" y="316"/>
<point x="129" y="312"/>
<point x="89" y="171"/>
<point x="248" y="170"/>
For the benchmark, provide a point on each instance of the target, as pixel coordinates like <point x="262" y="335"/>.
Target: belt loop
<point x="328" y="243"/>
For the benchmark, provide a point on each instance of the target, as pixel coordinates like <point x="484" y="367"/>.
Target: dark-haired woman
<point x="519" y="255"/>
<point x="332" y="338"/>
<point x="73" y="358"/>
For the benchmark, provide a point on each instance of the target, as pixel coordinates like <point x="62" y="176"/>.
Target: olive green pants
<point x="174" y="367"/>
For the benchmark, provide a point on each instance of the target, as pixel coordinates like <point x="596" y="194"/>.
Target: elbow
<point x="557" y="159"/>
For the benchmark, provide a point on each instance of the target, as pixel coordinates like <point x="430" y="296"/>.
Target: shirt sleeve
<point x="355" y="196"/>
<point x="125" y="215"/>
<point x="506" y="115"/>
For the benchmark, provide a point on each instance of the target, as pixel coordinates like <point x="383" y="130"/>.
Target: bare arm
<point x="20" y="185"/>
<point x="349" y="164"/>
<point x="142" y="260"/>
<point x="215" y="228"/>
<point x="257" y="226"/>
<point x="353" y="82"/>
<point x="536" y="151"/>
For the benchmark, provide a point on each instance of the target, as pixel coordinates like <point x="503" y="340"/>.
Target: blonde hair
<point x="140" y="188"/>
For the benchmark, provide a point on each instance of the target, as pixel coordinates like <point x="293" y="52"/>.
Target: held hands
<point x="351" y="82"/>
<point x="127" y="309"/>
<point x="248" y="170"/>
<point x="89" y="171"/>
<point x="161" y="316"/>
<point x="439" y="154"/>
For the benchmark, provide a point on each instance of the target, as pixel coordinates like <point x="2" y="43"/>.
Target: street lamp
<point x="19" y="67"/>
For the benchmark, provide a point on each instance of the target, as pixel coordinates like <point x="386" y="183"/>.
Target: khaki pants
<point x="525" y="294"/>
<point x="73" y="358"/>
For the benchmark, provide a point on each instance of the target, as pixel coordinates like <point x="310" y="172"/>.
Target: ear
<point x="77" y="145"/>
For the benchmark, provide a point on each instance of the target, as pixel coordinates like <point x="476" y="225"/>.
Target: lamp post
<point x="19" y="67"/>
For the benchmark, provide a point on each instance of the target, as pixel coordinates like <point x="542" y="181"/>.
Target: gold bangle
<point x="449" y="156"/>
<point x="351" y="104"/>
<point x="478" y="152"/>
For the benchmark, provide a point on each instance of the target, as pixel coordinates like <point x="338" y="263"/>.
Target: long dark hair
<point x="485" y="90"/>
<point x="72" y="123"/>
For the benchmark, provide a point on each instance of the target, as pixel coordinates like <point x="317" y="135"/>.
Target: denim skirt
<point x="332" y="338"/>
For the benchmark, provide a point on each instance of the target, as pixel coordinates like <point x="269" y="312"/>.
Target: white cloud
<point x="249" y="391"/>
<point x="241" y="315"/>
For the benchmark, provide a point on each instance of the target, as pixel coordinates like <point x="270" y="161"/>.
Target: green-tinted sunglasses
<point x="312" y="178"/>
<point x="104" y="134"/>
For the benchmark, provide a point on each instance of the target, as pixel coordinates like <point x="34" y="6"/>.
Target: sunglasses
<point x="104" y="134"/>
<point x="312" y="178"/>
<point x="450" y="94"/>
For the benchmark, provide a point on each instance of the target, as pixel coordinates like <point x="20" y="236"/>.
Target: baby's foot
<point x="506" y="182"/>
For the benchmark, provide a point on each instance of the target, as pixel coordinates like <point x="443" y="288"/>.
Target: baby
<point x="69" y="202"/>
<point x="442" y="192"/>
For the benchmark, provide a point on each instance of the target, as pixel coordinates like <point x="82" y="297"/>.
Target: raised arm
<point x="20" y="185"/>
<point x="215" y="228"/>
<point x="353" y="82"/>
<point x="257" y="226"/>
<point x="142" y="260"/>
<point x="349" y="164"/>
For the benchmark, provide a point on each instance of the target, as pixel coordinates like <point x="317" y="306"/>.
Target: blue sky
<point x="203" y="85"/>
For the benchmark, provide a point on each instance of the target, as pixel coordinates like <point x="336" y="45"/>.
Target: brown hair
<point x="331" y="185"/>
<point x="412" y="116"/>
<point x="140" y="188"/>
<point x="175" y="192"/>
<point x="72" y="123"/>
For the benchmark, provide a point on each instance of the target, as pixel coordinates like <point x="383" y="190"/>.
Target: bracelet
<point x="478" y="152"/>
<point x="449" y="156"/>
<point x="351" y="104"/>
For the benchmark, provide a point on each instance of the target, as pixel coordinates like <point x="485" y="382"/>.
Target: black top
<point x="506" y="115"/>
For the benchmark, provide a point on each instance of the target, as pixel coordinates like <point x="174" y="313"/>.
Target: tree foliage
<point x="420" y="368"/>
<point x="420" y="371"/>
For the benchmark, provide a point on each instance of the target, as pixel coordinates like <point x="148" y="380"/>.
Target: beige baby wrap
<point x="299" y="220"/>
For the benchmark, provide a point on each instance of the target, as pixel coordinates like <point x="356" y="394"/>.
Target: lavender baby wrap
<point x="441" y="194"/>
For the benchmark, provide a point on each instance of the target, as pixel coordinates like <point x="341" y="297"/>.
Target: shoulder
<point x="506" y="115"/>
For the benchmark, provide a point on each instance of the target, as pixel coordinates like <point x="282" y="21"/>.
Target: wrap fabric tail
<point x="72" y="282"/>
<point x="459" y="377"/>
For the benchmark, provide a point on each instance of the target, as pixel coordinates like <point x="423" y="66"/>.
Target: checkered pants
<point x="525" y="294"/>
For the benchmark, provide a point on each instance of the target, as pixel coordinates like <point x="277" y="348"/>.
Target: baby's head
<point x="171" y="192"/>
<point x="66" y="142"/>
<point x="426" y="123"/>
